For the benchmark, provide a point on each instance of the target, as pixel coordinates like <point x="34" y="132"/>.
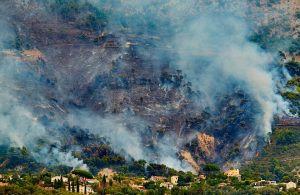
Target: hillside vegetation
<point x="279" y="158"/>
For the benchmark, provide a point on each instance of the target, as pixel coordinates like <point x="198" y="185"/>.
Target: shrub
<point x="211" y="168"/>
<point x="82" y="173"/>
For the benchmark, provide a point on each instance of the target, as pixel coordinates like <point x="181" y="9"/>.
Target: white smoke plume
<point x="19" y="127"/>
<point x="209" y="42"/>
<point x="231" y="58"/>
<point x="125" y="133"/>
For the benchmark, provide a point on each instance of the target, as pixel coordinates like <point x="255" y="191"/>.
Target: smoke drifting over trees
<point x="208" y="42"/>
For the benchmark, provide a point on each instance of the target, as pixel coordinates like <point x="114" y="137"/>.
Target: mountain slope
<point x="146" y="83"/>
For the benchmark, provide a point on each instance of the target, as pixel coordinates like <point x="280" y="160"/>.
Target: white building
<point x="233" y="173"/>
<point x="108" y="173"/>
<point x="157" y="178"/>
<point x="166" y="185"/>
<point x="138" y="187"/>
<point x="89" y="189"/>
<point x="57" y="178"/>
<point x="263" y="183"/>
<point x="290" y="185"/>
<point x="3" y="184"/>
<point x="91" y="181"/>
<point x="174" y="180"/>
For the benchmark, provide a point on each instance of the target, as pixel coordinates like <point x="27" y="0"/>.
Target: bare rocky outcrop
<point x="187" y="156"/>
<point x="207" y="144"/>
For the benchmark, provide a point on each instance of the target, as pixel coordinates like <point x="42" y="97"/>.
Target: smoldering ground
<point x="209" y="42"/>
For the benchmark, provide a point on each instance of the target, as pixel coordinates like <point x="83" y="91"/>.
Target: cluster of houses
<point x="163" y="182"/>
<point x="87" y="186"/>
<point x="168" y="184"/>
<point x="263" y="183"/>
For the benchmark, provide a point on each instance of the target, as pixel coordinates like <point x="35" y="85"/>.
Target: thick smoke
<point x="211" y="40"/>
<point x="208" y="41"/>
<point x="125" y="133"/>
<point x="230" y="58"/>
<point x="19" y="127"/>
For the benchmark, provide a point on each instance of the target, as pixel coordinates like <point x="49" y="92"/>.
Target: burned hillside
<point x="76" y="68"/>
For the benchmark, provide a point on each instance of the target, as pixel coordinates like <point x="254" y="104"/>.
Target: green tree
<point x="77" y="185"/>
<point x="185" y="178"/>
<point x="82" y="173"/>
<point x="103" y="182"/>
<point x="73" y="186"/>
<point x="61" y="182"/>
<point x="55" y="184"/>
<point x="69" y="183"/>
<point x="211" y="168"/>
<point x="150" y="185"/>
<point x="110" y="182"/>
<point x="286" y="179"/>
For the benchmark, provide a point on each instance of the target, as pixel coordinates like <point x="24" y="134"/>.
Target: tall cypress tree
<point x="77" y="184"/>
<point x="73" y="186"/>
<point x="104" y="180"/>
<point x="55" y="184"/>
<point x="61" y="182"/>
<point x="69" y="183"/>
